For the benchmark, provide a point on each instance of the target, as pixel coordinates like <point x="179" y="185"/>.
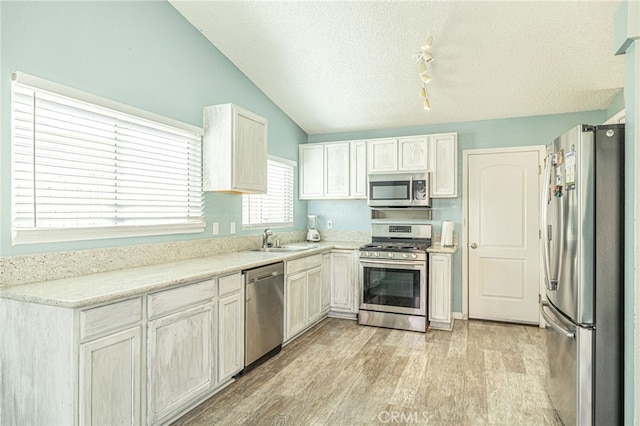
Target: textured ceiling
<point x="336" y="66"/>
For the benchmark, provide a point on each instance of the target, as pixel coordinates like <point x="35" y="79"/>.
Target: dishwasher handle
<point x="263" y="272"/>
<point x="263" y="277"/>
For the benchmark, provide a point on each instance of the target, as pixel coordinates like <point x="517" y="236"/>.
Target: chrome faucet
<point x="265" y="237"/>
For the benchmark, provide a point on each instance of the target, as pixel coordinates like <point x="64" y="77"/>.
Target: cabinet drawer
<point x="229" y="284"/>
<point x="304" y="263"/>
<point x="168" y="301"/>
<point x="110" y="317"/>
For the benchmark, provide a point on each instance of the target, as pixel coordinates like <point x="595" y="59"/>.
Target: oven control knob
<point x="405" y="255"/>
<point x="390" y="255"/>
<point x="414" y="256"/>
<point x="377" y="254"/>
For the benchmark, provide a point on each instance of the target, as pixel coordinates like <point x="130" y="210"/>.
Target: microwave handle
<point x="411" y="189"/>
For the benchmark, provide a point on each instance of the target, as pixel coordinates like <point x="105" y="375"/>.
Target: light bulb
<point x="423" y="92"/>
<point x="426" y="105"/>
<point x="425" y="77"/>
<point x="426" y="45"/>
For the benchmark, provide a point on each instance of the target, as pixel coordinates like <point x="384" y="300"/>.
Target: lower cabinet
<point x="181" y="359"/>
<point x="230" y="327"/>
<point x="304" y="288"/>
<point x="110" y="379"/>
<point x="440" y="316"/>
<point x="345" y="289"/>
<point x="326" y="282"/>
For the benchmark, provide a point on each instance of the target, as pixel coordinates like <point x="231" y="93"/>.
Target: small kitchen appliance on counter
<point x="312" y="225"/>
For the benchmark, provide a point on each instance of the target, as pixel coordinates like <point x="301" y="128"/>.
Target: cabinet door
<point x="383" y="155"/>
<point x="413" y="154"/>
<point x="311" y="171"/>
<point x="342" y="281"/>
<point x="326" y="282"/>
<point x="336" y="176"/>
<point x="181" y="360"/>
<point x="440" y="290"/>
<point x="444" y="165"/>
<point x="359" y="169"/>
<point x="230" y="336"/>
<point x="296" y="297"/>
<point x="110" y="379"/>
<point x="314" y="295"/>
<point x="249" y="152"/>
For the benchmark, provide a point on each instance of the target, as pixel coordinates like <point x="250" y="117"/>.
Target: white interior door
<point x="503" y="253"/>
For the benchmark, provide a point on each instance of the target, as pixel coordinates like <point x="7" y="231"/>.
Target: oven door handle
<point x="388" y="264"/>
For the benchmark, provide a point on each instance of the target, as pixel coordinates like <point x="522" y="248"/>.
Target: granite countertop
<point x="82" y="291"/>
<point x="437" y="248"/>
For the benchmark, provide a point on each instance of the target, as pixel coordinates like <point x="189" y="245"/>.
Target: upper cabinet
<point x="399" y="155"/>
<point x="335" y="170"/>
<point x="339" y="170"/>
<point x="234" y="150"/>
<point x="444" y="165"/>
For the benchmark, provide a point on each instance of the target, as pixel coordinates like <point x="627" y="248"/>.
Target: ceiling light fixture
<point x="423" y="58"/>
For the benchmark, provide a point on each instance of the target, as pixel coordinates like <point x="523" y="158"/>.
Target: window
<point x="84" y="167"/>
<point x="275" y="208"/>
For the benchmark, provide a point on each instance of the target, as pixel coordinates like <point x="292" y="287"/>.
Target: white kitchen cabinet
<point x="344" y="283"/>
<point x="358" y="179"/>
<point x="336" y="173"/>
<point x="444" y="165"/>
<point x="314" y="295"/>
<point x="181" y="348"/>
<point x="303" y="294"/>
<point x="234" y="150"/>
<point x="383" y="155"/>
<point x="336" y="170"/>
<point x="296" y="295"/>
<point x="413" y="154"/>
<point x="311" y="181"/>
<point x="440" y="316"/>
<point x="110" y="379"/>
<point x="71" y="366"/>
<point x="231" y="304"/>
<point x="407" y="154"/>
<point x="326" y="282"/>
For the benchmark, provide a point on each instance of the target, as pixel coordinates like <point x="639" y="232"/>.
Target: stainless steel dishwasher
<point x="264" y="312"/>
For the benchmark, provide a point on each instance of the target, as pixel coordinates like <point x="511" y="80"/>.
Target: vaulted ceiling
<point x="336" y="66"/>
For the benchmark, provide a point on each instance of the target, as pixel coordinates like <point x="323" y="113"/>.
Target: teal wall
<point x="141" y="53"/>
<point x="538" y="130"/>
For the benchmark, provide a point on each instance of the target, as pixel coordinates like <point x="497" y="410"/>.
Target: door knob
<point x="473" y="245"/>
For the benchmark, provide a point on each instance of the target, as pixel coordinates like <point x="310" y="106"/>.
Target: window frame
<point x="291" y="165"/>
<point x="36" y="234"/>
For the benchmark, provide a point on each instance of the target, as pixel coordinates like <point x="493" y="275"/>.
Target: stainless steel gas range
<point x="395" y="271"/>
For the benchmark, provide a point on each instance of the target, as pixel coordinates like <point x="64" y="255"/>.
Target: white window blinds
<point x="81" y="170"/>
<point x="275" y="208"/>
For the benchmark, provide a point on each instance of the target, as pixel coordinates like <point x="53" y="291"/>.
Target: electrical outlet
<point x="329" y="224"/>
<point x="216" y="228"/>
<point x="232" y="229"/>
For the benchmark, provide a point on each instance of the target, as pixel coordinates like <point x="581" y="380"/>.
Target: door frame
<point x="464" y="244"/>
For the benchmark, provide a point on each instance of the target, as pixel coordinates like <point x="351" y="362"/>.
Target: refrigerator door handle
<point x="546" y="240"/>
<point x="553" y="324"/>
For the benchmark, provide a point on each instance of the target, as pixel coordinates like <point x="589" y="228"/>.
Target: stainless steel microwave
<point x="399" y="190"/>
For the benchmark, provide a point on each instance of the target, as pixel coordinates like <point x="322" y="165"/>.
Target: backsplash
<point x="16" y="270"/>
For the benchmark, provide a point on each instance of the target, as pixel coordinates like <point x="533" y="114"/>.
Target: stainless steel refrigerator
<point x="583" y="262"/>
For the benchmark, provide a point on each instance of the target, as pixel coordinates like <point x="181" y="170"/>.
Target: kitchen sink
<point x="283" y="248"/>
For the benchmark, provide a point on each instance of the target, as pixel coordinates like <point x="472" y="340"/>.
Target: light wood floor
<point x="340" y="373"/>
